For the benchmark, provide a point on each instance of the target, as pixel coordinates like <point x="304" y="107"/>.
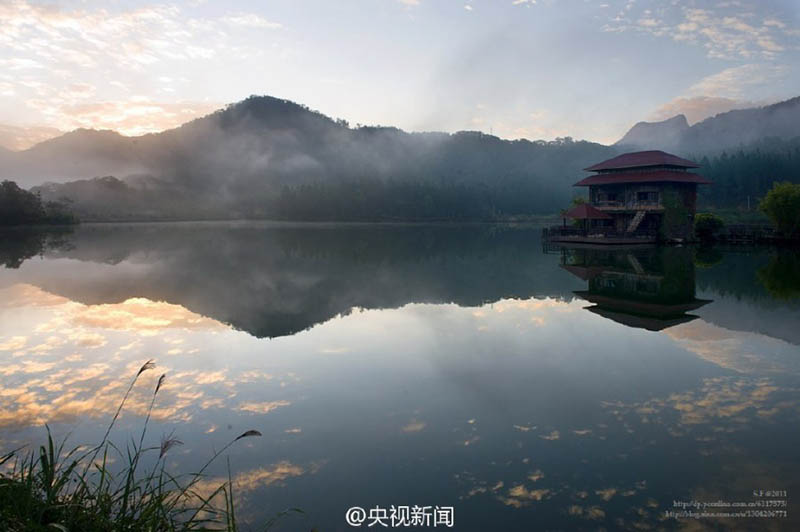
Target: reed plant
<point x="53" y="489"/>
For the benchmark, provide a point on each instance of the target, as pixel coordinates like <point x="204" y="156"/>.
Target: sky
<point x="536" y="69"/>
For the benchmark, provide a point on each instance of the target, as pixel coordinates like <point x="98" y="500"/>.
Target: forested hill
<point x="274" y="159"/>
<point x="742" y="176"/>
<point x="270" y="158"/>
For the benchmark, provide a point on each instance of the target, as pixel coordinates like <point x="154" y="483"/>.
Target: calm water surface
<point x="528" y="388"/>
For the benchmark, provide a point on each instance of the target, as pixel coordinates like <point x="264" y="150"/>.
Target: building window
<point x="606" y="197"/>
<point x="647" y="197"/>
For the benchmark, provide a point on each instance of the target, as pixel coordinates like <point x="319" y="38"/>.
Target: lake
<point x="527" y="386"/>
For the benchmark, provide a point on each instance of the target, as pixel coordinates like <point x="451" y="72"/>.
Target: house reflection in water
<point x="647" y="288"/>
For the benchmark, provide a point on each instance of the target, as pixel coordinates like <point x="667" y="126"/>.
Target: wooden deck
<point x="602" y="240"/>
<point x="575" y="235"/>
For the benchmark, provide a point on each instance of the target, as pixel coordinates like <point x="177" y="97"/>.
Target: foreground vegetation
<point x="57" y="490"/>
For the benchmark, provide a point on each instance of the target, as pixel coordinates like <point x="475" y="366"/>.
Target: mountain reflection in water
<point x="449" y="365"/>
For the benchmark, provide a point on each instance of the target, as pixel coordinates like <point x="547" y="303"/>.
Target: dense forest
<point x="748" y="173"/>
<point x="21" y="207"/>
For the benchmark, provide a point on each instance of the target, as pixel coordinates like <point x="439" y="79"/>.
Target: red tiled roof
<point x="584" y="211"/>
<point x="660" y="176"/>
<point x="642" y="158"/>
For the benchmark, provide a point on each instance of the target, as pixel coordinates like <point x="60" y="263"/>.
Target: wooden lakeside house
<point x="634" y="198"/>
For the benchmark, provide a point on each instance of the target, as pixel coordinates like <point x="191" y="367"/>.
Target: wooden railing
<point x="630" y="205"/>
<point x="598" y="232"/>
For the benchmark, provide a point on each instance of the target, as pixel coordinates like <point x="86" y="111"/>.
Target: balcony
<point x="650" y="206"/>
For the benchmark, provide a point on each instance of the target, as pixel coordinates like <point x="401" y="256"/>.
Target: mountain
<point x="666" y="134"/>
<point x="725" y="131"/>
<point x="270" y="158"/>
<point x="79" y="153"/>
<point x="742" y="127"/>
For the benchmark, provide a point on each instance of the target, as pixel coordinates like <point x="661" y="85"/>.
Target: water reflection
<point x="20" y="244"/>
<point x="781" y="277"/>
<point x="650" y="288"/>
<point x="417" y="365"/>
<point x="275" y="280"/>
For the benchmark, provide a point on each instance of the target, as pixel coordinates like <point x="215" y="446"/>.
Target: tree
<point x="21" y="207"/>
<point x="706" y="226"/>
<point x="676" y="216"/>
<point x="782" y="206"/>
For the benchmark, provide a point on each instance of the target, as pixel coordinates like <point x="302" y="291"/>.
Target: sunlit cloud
<point x="588" y="512"/>
<point x="139" y="314"/>
<point x="23" y="137"/>
<point x="740" y="351"/>
<point x="136" y="116"/>
<point x="606" y="494"/>
<point x="56" y="50"/>
<point x="56" y="373"/>
<point x="723" y="91"/>
<point x="536" y="476"/>
<point x="724" y="32"/>
<point x="727" y="403"/>
<point x="554" y="435"/>
<point x="13" y="343"/>
<point x="246" y="482"/>
<point x="414" y="426"/>
<point x="698" y="108"/>
<point x="734" y="81"/>
<point x="519" y="496"/>
<point x="262" y="407"/>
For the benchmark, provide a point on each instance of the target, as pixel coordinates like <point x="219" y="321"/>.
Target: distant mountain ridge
<point x="730" y="130"/>
<point x="666" y="133"/>
<point x="266" y="158"/>
<point x="270" y="158"/>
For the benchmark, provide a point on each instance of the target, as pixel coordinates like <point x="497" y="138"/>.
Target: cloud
<point x="725" y="31"/>
<point x="721" y="92"/>
<point x="54" y="50"/>
<point x="136" y="116"/>
<point x="13" y="343"/>
<point x="248" y="481"/>
<point x="519" y="496"/>
<point x="734" y="81"/>
<point x="251" y="20"/>
<point x="606" y="494"/>
<point x="698" y="108"/>
<point x="141" y="315"/>
<point x="414" y="426"/>
<point x="262" y="407"/>
<point x="552" y="436"/>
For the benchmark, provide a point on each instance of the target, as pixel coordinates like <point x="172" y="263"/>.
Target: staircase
<point x="637" y="266"/>
<point x="637" y="219"/>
